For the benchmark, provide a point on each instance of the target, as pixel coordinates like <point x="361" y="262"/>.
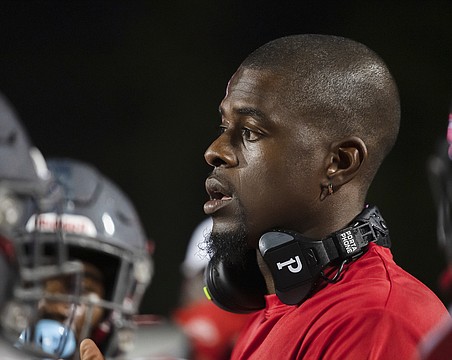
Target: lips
<point x="219" y="196"/>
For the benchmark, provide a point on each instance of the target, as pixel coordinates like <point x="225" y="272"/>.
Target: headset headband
<point x="296" y="261"/>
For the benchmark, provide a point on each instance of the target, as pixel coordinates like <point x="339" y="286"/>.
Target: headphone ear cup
<point x="237" y="288"/>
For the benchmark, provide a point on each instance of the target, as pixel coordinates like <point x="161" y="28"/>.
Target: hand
<point x="89" y="351"/>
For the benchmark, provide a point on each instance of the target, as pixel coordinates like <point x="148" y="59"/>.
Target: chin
<point x="227" y="242"/>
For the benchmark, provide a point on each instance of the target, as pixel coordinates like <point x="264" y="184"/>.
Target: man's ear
<point x="344" y="161"/>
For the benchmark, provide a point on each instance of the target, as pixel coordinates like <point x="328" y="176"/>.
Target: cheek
<point x="82" y="310"/>
<point x="267" y="177"/>
<point x="82" y="313"/>
<point x="263" y="190"/>
<point x="97" y="315"/>
<point x="276" y="193"/>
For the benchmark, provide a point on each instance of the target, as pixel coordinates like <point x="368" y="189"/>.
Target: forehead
<point x="256" y="93"/>
<point x="90" y="272"/>
<point x="252" y="81"/>
<point x="254" y="86"/>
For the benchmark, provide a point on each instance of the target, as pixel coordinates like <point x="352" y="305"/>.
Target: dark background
<point x="133" y="88"/>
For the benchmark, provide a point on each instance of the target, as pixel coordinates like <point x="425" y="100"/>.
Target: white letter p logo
<point x="289" y="265"/>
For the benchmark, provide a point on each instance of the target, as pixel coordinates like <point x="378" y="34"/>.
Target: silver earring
<point x="330" y="189"/>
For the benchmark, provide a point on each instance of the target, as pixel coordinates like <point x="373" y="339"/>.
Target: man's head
<point x="92" y="285"/>
<point x="306" y="122"/>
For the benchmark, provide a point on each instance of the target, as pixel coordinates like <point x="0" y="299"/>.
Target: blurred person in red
<point x="437" y="345"/>
<point x="212" y="331"/>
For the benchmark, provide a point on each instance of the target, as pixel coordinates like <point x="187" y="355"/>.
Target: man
<point x="306" y="122"/>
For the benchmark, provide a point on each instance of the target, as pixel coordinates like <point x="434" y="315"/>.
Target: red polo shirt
<point x="376" y="311"/>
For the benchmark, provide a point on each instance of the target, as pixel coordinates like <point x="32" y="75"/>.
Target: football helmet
<point x="95" y="223"/>
<point x="25" y="182"/>
<point x="23" y="171"/>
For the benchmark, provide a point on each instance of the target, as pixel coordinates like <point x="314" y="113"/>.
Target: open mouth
<point x="218" y="196"/>
<point x="216" y="190"/>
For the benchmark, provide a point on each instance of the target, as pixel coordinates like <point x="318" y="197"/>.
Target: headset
<point x="295" y="262"/>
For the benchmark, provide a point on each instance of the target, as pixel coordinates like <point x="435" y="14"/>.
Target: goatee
<point x="230" y="246"/>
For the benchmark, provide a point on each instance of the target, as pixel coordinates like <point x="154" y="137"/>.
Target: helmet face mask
<point x="94" y="226"/>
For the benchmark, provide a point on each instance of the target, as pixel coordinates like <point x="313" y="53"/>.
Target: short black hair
<point x="339" y="86"/>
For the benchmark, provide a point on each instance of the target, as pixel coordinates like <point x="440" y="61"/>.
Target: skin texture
<point x="89" y="350"/>
<point x="275" y="171"/>
<point x="91" y="286"/>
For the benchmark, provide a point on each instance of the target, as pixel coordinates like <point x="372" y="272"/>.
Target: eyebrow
<point x="249" y="111"/>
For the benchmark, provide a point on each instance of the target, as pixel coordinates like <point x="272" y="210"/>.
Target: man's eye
<point x="250" y="135"/>
<point x="222" y="129"/>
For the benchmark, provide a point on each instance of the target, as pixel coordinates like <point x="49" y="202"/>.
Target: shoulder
<point x="377" y="310"/>
<point x="365" y="334"/>
<point x="375" y="284"/>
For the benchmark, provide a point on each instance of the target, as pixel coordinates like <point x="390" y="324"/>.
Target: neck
<point x="334" y="223"/>
<point x="265" y="273"/>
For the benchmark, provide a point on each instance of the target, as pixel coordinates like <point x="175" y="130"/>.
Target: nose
<point x="56" y="310"/>
<point x="221" y="152"/>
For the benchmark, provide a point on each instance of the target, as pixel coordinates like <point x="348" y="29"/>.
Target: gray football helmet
<point x="23" y="171"/>
<point x="26" y="187"/>
<point x="94" y="223"/>
<point x="25" y="182"/>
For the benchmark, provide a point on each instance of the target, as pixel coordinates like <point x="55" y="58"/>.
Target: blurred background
<point x="133" y="87"/>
